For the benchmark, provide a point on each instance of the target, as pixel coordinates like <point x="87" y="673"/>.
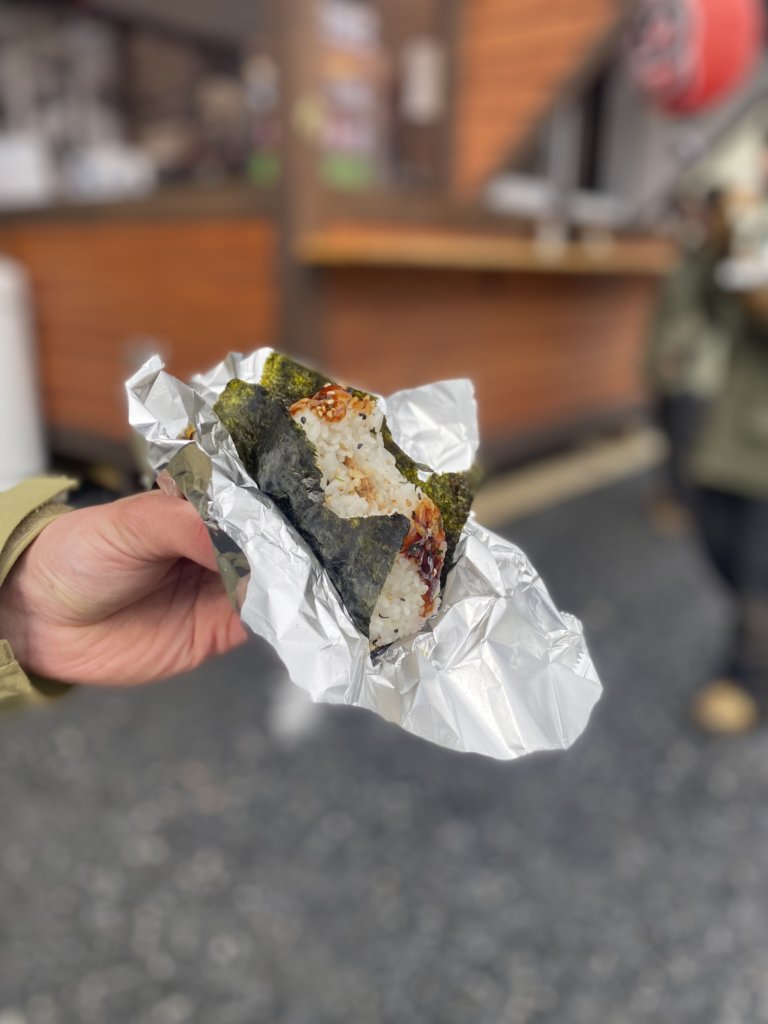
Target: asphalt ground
<point x="203" y="850"/>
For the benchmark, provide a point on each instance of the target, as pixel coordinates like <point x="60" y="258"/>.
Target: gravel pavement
<point x="195" y="851"/>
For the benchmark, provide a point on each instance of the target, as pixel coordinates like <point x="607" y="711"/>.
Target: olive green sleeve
<point x="25" y="511"/>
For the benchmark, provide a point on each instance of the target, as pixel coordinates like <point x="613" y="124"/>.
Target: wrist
<point x="25" y="513"/>
<point x="19" y="674"/>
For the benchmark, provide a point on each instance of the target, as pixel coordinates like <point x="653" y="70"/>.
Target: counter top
<point x="413" y="246"/>
<point x="231" y="199"/>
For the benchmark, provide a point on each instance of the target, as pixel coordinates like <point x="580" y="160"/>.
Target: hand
<point x="121" y="593"/>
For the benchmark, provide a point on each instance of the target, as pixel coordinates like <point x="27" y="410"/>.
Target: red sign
<point x="688" y="55"/>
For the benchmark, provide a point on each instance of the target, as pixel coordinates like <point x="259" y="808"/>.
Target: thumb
<point x="156" y="527"/>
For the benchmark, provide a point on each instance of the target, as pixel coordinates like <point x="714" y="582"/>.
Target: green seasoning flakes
<point x="289" y="381"/>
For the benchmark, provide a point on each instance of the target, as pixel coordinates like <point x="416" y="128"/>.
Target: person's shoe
<point x="725" y="708"/>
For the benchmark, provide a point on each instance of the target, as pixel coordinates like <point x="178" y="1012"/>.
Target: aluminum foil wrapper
<point x="497" y="671"/>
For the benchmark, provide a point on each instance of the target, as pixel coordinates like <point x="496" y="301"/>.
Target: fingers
<point x="157" y="527"/>
<point x="220" y="628"/>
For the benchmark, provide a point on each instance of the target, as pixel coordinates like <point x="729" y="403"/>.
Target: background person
<point x="688" y="347"/>
<point x="730" y="470"/>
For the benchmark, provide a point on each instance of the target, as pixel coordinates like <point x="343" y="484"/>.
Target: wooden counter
<point x="193" y="201"/>
<point x="387" y="288"/>
<point x="551" y="339"/>
<point x="109" y="290"/>
<point x="546" y="351"/>
<point x="393" y="246"/>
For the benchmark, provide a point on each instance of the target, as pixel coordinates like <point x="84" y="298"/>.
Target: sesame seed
<point x="360" y="445"/>
<point x="363" y="416"/>
<point x="303" y="419"/>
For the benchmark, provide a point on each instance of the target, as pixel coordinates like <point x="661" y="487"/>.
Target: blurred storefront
<point x="332" y="177"/>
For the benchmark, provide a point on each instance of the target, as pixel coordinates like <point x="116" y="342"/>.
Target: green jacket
<point x="732" y="451"/>
<point x="25" y="511"/>
<point x="689" y="339"/>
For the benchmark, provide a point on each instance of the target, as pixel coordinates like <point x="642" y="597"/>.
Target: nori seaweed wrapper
<point x="289" y="381"/>
<point x="357" y="553"/>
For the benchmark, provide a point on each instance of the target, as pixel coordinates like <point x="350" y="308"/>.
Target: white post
<point x="22" y="449"/>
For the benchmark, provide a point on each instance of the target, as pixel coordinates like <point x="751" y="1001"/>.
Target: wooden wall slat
<point x="501" y="88"/>
<point x="201" y="287"/>
<point x="502" y="36"/>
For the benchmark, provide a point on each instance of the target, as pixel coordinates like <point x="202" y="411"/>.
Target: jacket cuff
<point x="15" y="685"/>
<point x="25" y="511"/>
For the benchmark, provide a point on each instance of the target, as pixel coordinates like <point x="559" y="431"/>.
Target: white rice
<point x="399" y="611"/>
<point x="360" y="478"/>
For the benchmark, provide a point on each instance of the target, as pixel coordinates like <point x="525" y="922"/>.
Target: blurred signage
<point x="688" y="55"/>
<point x="351" y="134"/>
<point x="422" y="73"/>
<point x="262" y="86"/>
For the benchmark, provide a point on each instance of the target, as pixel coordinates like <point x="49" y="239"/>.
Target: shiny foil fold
<point x="497" y="671"/>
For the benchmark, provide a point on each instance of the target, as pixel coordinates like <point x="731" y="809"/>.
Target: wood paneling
<point x="200" y="288"/>
<point x="513" y="56"/>
<point x="544" y="351"/>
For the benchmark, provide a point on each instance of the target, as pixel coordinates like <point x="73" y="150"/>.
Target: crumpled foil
<point x="497" y="671"/>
